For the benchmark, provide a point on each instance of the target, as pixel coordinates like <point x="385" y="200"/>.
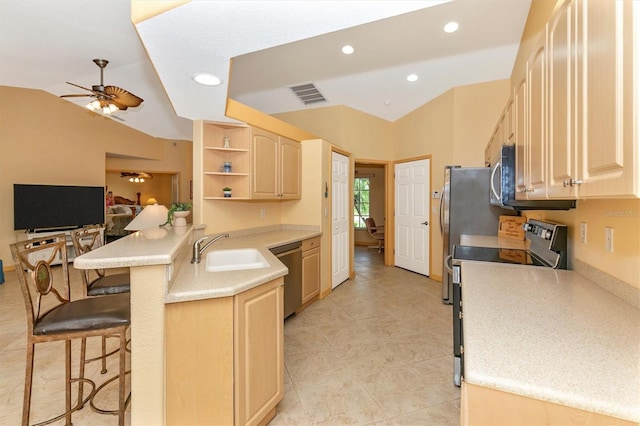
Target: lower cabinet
<point x="485" y="406"/>
<point x="224" y="361"/>
<point x="310" y="269"/>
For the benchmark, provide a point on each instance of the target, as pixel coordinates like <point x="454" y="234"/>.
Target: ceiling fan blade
<point x="90" y="95"/>
<point x="122" y="97"/>
<point x="81" y="87"/>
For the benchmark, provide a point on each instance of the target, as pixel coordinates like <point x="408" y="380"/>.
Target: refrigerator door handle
<point x="447" y="264"/>
<point x="442" y="212"/>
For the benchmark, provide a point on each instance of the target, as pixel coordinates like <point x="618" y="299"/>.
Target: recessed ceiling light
<point x="207" y="79"/>
<point x="451" y="27"/>
<point x="412" y="77"/>
<point x="347" y="49"/>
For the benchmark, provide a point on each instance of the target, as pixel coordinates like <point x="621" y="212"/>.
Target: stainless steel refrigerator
<point x="465" y="208"/>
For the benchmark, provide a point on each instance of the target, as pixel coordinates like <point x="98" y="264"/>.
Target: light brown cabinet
<point x="225" y="358"/>
<point x="277" y="166"/>
<point x="486" y="406"/>
<point x="263" y="165"/>
<point x="578" y="117"/>
<point x="310" y="269"/>
<point x="608" y="147"/>
<point x="562" y="124"/>
<point x="536" y="139"/>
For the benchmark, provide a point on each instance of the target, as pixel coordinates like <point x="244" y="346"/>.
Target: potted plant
<point x="180" y="211"/>
<point x="227" y="192"/>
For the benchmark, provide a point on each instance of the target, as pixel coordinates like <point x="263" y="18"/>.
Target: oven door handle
<point x="447" y="264"/>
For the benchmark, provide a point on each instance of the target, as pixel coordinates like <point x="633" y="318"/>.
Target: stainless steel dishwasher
<point x="291" y="256"/>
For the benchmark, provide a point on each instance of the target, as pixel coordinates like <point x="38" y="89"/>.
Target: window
<point x="361" y="202"/>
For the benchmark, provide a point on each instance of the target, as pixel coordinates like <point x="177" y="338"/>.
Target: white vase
<point x="179" y="218"/>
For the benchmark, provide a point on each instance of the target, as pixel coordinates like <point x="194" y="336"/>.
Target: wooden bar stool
<point x="52" y="316"/>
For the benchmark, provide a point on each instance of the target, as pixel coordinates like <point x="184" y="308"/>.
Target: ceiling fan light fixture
<point x="94" y="106"/>
<point x="207" y="79"/>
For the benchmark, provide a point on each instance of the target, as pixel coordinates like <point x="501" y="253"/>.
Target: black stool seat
<point x="110" y="284"/>
<point x="86" y="314"/>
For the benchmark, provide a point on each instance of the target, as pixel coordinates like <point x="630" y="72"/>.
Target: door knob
<point x="425" y="223"/>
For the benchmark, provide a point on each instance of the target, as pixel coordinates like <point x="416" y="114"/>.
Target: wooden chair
<point x="375" y="232"/>
<point x="52" y="316"/>
<point x="96" y="281"/>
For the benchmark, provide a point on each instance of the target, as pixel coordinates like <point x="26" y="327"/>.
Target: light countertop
<point x="492" y="241"/>
<point x="171" y="246"/>
<point x="551" y="335"/>
<point x="193" y="282"/>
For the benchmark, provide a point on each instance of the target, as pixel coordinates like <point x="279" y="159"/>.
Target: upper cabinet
<point x="276" y="167"/>
<point x="574" y="109"/>
<point x="253" y="163"/>
<point x="562" y="90"/>
<point x="536" y="149"/>
<point x="608" y="143"/>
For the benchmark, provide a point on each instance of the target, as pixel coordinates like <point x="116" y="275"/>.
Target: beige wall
<point x="361" y="134"/>
<point x="621" y="215"/>
<point x="476" y="109"/>
<point x="46" y="140"/>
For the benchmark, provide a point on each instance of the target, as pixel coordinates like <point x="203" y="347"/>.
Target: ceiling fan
<point x="109" y="99"/>
<point x="136" y="177"/>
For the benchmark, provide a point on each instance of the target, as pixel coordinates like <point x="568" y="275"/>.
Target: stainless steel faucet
<point x="197" y="250"/>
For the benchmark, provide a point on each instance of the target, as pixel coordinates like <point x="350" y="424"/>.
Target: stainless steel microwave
<point x="502" y="190"/>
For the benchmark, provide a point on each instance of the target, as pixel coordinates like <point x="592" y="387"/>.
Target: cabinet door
<point x="264" y="179"/>
<point x="520" y="132"/>
<point x="290" y="169"/>
<point x="561" y="88"/>
<point x="609" y="163"/>
<point x="310" y="274"/>
<point x="536" y="110"/>
<point x="259" y="352"/>
<point x="509" y="122"/>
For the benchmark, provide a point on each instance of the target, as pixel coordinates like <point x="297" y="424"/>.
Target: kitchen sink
<point x="235" y="260"/>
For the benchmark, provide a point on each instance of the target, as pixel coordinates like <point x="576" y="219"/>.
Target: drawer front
<point x="311" y="243"/>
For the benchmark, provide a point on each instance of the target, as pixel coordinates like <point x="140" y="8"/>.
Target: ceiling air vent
<point x="308" y="93"/>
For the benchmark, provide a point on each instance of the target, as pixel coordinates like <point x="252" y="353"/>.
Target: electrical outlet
<point x="263" y="213"/>
<point x="608" y="239"/>
<point x="583" y="232"/>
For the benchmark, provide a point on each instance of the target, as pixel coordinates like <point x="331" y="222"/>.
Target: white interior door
<point x="412" y="215"/>
<point x="340" y="219"/>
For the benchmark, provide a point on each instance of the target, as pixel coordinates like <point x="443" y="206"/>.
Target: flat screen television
<point x="42" y="207"/>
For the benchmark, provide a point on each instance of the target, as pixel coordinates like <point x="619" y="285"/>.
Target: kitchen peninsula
<point x="181" y="314"/>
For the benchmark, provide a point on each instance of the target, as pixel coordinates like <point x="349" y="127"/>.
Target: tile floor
<point x="376" y="351"/>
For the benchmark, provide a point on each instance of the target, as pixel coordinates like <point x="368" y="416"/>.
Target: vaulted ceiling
<point x="272" y="45"/>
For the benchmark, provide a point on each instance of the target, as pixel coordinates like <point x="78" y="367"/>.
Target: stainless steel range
<point x="547" y="247"/>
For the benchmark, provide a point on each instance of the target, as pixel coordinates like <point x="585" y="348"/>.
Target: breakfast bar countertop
<point x="172" y="247"/>
<point x="193" y="282"/>
<point x="551" y="335"/>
